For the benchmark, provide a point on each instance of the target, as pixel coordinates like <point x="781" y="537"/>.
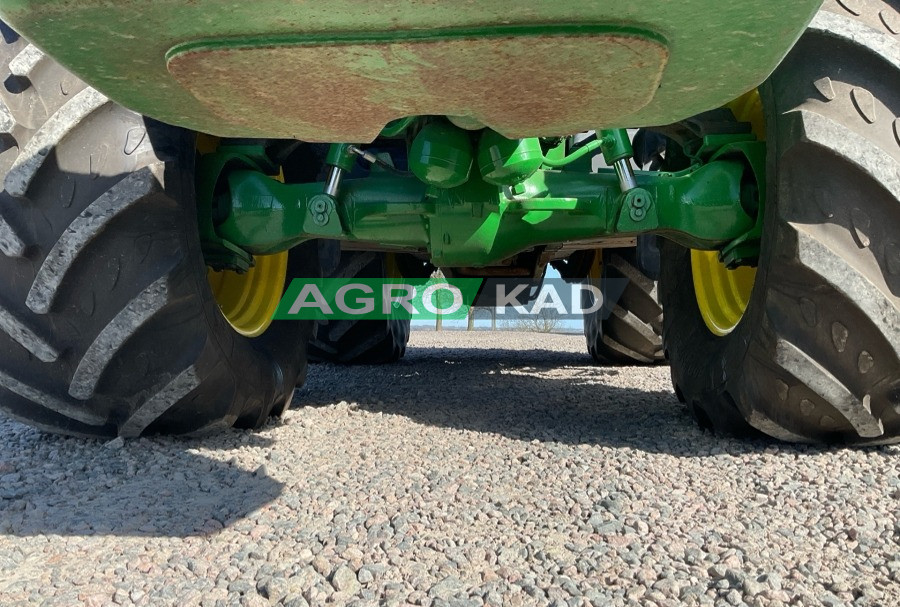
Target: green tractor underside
<point x="467" y="209"/>
<point x="477" y="90"/>
<point x="340" y="70"/>
<point x="376" y="140"/>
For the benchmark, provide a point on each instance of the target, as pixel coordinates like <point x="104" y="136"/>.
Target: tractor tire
<point x="627" y="330"/>
<point x="816" y="355"/>
<point x="108" y="326"/>
<point x="360" y="342"/>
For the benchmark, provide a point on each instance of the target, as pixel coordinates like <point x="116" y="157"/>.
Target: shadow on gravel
<point x="151" y="487"/>
<point x="543" y="395"/>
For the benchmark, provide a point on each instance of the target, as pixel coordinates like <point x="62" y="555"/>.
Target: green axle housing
<point x="512" y="203"/>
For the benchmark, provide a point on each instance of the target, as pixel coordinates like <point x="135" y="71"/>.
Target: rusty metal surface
<point x="518" y="85"/>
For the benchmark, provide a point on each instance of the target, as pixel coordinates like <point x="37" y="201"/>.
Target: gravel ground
<point x="496" y="469"/>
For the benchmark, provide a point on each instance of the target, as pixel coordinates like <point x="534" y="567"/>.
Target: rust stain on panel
<point x="518" y="85"/>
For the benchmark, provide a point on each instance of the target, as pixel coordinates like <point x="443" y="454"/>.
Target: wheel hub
<point x="722" y="293"/>
<point x="248" y="300"/>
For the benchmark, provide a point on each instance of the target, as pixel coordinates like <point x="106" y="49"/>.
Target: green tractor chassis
<point x="339" y="70"/>
<point x="512" y="201"/>
<point x="167" y="167"/>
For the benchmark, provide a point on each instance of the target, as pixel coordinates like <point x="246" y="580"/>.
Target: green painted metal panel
<point x="215" y="65"/>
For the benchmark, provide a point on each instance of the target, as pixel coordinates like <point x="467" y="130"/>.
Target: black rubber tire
<point x="107" y="323"/>
<point x="360" y="342"/>
<point x="631" y="333"/>
<point x="816" y="357"/>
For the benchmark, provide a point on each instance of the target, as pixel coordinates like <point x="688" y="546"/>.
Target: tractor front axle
<point x="468" y="213"/>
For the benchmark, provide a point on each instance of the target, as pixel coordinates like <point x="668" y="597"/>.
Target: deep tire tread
<point x="631" y="334"/>
<point x="822" y="356"/>
<point x="107" y="324"/>
<point x="368" y="342"/>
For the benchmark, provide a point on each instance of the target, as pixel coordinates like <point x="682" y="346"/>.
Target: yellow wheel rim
<point x="248" y="301"/>
<point x="723" y="294"/>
